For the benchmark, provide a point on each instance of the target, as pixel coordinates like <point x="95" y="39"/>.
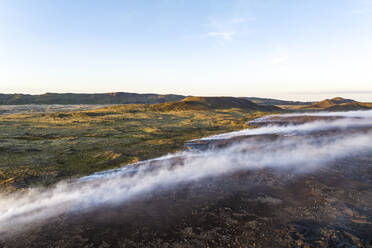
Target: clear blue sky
<point x="295" y="49"/>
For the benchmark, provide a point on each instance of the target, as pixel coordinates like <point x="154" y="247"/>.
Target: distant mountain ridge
<point x="171" y="102"/>
<point x="75" y="98"/>
<point x="117" y="98"/>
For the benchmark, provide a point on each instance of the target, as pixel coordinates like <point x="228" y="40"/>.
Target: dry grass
<point x="40" y="149"/>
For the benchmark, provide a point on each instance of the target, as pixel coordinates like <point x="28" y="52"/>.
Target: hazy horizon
<point x="300" y="96"/>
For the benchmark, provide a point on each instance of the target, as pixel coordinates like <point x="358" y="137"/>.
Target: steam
<point x="300" y="152"/>
<point x="361" y="119"/>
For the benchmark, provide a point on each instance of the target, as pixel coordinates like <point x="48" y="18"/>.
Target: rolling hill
<point x="338" y="104"/>
<point x="208" y="103"/>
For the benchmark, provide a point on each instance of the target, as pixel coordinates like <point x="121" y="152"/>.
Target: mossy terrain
<point x="43" y="148"/>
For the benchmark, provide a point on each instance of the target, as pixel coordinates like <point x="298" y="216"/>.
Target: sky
<point x="287" y="49"/>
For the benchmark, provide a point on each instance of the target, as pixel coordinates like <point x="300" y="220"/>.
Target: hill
<point x="327" y="103"/>
<point x="208" y="103"/>
<point x="348" y="106"/>
<point x="101" y="98"/>
<point x="338" y="104"/>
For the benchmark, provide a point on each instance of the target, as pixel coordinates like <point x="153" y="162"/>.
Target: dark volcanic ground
<point x="329" y="207"/>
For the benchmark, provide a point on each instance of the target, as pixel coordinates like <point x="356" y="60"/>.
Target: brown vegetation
<point x="42" y="148"/>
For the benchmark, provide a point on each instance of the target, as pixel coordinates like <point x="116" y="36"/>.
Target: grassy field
<point x="43" y="148"/>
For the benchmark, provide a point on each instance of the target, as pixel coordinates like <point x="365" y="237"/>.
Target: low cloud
<point x="227" y="36"/>
<point x="361" y="11"/>
<point x="225" y="29"/>
<point x="279" y="60"/>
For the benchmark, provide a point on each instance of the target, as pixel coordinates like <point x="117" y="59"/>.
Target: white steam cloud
<point x="300" y="152"/>
<point x="361" y="119"/>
